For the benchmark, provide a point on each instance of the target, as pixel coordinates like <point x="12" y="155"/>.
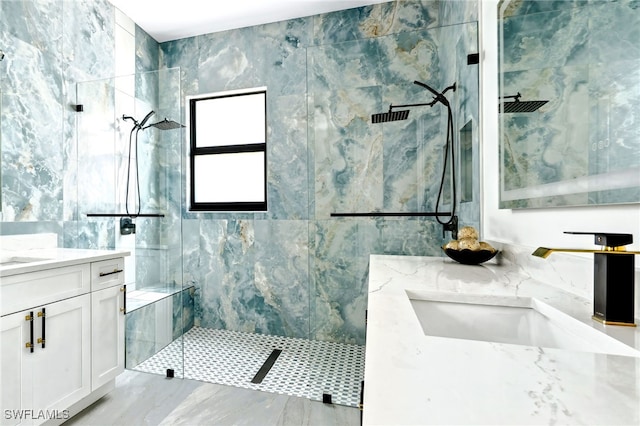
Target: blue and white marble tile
<point x="347" y="153"/>
<point x="346" y="25"/>
<point x="349" y="65"/>
<point x="88" y="24"/>
<point x="287" y="191"/>
<point x="326" y="75"/>
<point x="147" y="53"/>
<point x="280" y="55"/>
<point x="140" y="335"/>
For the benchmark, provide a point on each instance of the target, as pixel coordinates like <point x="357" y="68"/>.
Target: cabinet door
<point x="15" y="386"/>
<point x="62" y="363"/>
<point x="107" y="335"/>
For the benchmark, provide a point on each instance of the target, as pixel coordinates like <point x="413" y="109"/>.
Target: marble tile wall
<point x="49" y="46"/>
<point x="152" y="327"/>
<point x="59" y="164"/>
<point x="295" y="270"/>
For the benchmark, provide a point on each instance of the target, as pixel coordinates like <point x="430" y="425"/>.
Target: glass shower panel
<point x="361" y="167"/>
<point x="129" y="197"/>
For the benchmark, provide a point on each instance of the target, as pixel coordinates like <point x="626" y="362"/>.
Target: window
<point x="228" y="155"/>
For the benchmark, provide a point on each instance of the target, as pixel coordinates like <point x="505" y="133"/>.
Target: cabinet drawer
<point x="24" y="291"/>
<point x="107" y="273"/>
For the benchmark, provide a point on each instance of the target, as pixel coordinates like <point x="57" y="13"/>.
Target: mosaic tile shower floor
<point x="305" y="368"/>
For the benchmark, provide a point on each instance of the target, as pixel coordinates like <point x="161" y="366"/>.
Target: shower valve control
<point x="127" y="226"/>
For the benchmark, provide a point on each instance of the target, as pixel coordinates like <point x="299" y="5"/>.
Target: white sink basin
<point x="512" y="320"/>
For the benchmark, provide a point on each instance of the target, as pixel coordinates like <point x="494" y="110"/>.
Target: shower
<point x="137" y="126"/>
<point x="519" y="106"/>
<point x="165" y="125"/>
<point x="452" y="223"/>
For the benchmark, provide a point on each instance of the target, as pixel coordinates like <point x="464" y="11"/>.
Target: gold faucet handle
<point x="544" y="252"/>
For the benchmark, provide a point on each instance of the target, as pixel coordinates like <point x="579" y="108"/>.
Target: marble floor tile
<point x="149" y="399"/>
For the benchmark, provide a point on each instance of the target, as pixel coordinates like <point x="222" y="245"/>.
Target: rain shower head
<point x="519" y="106"/>
<point x="166" y="125"/>
<point x="384" y="117"/>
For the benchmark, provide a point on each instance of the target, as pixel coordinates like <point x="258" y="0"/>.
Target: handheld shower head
<point x="439" y="97"/>
<point x="145" y="119"/>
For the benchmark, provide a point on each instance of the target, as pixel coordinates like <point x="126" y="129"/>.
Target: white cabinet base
<point x="61" y="340"/>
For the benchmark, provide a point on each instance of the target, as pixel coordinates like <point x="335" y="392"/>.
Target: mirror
<point x="581" y="146"/>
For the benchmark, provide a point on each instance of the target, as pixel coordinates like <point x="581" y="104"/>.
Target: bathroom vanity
<point x="456" y="344"/>
<point x="62" y="331"/>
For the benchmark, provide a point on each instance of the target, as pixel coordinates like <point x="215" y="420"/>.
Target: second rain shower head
<point x="519" y="106"/>
<point x="384" y="117"/>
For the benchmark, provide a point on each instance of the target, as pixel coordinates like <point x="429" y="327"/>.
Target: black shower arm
<point x="391" y="106"/>
<point x="516" y="97"/>
<point x="128" y="117"/>
<point x="439" y="96"/>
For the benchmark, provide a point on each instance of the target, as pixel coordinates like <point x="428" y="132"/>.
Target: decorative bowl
<point x="469" y="257"/>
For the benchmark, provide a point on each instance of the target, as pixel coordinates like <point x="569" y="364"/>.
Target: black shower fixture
<point x="384" y="117"/>
<point x="140" y="125"/>
<point x="165" y="125"/>
<point x="519" y="106"/>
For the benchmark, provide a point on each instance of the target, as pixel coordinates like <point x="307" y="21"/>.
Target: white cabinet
<point x="46" y="358"/>
<point x="59" y="351"/>
<point x="14" y="335"/>
<point x="107" y="335"/>
<point x="107" y="327"/>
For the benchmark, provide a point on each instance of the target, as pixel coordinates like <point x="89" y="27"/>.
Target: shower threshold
<point x="304" y="368"/>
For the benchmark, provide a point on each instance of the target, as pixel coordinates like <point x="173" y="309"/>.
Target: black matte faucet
<point x="613" y="277"/>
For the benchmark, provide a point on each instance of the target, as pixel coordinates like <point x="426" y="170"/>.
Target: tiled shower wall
<point x="295" y="270"/>
<point x="59" y="164"/>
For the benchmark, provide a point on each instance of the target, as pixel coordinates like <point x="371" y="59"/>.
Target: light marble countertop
<point x="48" y="258"/>
<point x="412" y="378"/>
